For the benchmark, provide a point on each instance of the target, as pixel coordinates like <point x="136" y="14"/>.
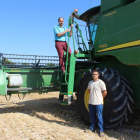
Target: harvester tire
<point x="117" y="103"/>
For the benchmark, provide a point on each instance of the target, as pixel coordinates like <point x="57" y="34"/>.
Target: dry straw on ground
<point x="39" y="117"/>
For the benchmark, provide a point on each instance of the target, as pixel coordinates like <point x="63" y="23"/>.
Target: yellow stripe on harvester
<point x="129" y="44"/>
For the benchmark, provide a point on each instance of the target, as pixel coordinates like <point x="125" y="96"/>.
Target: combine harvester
<point x="113" y="33"/>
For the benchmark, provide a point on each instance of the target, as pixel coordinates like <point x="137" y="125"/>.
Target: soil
<point x="39" y="117"/>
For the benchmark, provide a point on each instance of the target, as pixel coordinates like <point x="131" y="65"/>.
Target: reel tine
<point x="7" y="98"/>
<point x="22" y="96"/>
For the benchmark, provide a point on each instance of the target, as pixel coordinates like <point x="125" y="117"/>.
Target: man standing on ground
<point x="97" y="91"/>
<point x="61" y="45"/>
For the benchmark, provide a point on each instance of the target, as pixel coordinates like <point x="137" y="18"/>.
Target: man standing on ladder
<point x="61" y="45"/>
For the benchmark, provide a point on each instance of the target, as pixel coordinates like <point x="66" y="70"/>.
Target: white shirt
<point x="96" y="88"/>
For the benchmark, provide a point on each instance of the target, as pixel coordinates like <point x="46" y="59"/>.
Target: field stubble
<point x="39" y="117"/>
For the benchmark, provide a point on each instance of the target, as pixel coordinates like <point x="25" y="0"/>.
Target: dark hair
<point x="59" y="18"/>
<point x="95" y="71"/>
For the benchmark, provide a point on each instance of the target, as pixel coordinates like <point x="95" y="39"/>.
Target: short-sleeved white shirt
<point x="96" y="88"/>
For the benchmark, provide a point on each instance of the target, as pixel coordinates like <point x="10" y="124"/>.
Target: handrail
<point x="81" y="36"/>
<point x="69" y="20"/>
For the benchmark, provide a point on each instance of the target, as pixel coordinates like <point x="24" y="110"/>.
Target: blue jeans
<point x="93" y="110"/>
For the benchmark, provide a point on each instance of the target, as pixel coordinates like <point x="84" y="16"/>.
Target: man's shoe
<point x="102" y="134"/>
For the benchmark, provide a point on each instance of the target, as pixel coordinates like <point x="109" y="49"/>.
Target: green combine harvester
<point x="113" y="33"/>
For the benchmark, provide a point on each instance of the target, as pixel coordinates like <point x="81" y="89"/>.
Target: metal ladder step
<point x="64" y="84"/>
<point x="64" y="103"/>
<point x="65" y="74"/>
<point x="63" y="93"/>
<point x="79" y="36"/>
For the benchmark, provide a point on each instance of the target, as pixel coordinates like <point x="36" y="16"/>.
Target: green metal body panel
<point x="71" y="75"/>
<point x="117" y="42"/>
<point x="32" y="77"/>
<point x="108" y="5"/>
<point x="117" y="31"/>
<point x="3" y="83"/>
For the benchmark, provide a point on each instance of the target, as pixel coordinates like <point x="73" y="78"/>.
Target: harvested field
<point x="39" y="117"/>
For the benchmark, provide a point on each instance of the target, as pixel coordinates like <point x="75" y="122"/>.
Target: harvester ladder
<point x="67" y="81"/>
<point x="67" y="78"/>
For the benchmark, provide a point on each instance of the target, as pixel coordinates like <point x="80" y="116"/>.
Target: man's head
<point x="60" y="21"/>
<point x="95" y="75"/>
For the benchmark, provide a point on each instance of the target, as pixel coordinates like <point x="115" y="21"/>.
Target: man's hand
<point x="104" y="93"/>
<point x="68" y="30"/>
<point x="60" y="34"/>
<point x="71" y="26"/>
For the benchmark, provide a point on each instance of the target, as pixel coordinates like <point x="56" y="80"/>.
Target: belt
<point x="59" y="41"/>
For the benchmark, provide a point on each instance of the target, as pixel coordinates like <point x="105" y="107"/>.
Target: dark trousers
<point x="93" y="110"/>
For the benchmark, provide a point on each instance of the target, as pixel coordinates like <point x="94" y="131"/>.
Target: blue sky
<point x="26" y="26"/>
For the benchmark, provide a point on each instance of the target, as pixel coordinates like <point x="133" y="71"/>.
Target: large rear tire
<point x="117" y="103"/>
